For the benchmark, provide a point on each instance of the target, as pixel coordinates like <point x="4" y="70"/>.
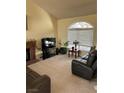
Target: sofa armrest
<point x="82" y="69"/>
<point x="40" y="85"/>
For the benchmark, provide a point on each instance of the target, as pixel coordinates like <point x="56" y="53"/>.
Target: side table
<point x="73" y="52"/>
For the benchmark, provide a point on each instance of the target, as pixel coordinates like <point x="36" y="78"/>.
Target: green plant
<point x="65" y="44"/>
<point x="63" y="48"/>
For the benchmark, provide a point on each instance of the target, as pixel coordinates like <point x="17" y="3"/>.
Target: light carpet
<point x="58" y="68"/>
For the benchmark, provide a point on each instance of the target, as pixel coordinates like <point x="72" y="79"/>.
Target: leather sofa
<point x="36" y="83"/>
<point x="86" y="70"/>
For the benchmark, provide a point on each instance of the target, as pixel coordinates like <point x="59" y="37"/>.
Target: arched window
<point x="80" y="26"/>
<point x="83" y="33"/>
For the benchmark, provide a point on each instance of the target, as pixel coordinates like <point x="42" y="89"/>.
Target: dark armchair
<point x="86" y="70"/>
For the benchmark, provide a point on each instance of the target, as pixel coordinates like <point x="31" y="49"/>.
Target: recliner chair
<point x="86" y="70"/>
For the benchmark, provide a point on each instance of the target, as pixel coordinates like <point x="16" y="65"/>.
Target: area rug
<point x="58" y="68"/>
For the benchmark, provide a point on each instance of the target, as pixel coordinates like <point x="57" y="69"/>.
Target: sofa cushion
<point x="92" y="57"/>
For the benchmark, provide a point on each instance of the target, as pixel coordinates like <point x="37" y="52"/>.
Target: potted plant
<point x="63" y="48"/>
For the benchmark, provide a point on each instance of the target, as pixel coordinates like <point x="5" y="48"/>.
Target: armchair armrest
<point x="78" y="62"/>
<point x="85" y="57"/>
<point x="82" y="69"/>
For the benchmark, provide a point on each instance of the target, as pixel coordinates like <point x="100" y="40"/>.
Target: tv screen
<point x="48" y="42"/>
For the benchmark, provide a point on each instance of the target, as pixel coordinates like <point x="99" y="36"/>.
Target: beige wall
<point x="40" y="23"/>
<point x="63" y="25"/>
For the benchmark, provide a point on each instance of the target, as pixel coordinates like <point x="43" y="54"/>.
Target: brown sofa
<point x="36" y="83"/>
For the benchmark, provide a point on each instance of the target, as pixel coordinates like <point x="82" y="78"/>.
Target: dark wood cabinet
<point x="48" y="47"/>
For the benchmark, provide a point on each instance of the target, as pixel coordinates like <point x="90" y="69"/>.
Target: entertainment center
<point x="48" y="47"/>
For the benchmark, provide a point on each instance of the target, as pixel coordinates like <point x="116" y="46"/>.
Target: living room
<point x="61" y="26"/>
<point x="41" y="24"/>
<point x="60" y="73"/>
<point x="50" y="19"/>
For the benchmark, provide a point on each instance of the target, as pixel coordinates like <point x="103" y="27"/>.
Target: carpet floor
<point x="58" y="68"/>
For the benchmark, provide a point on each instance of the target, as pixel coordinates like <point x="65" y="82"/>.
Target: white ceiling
<point x="68" y="8"/>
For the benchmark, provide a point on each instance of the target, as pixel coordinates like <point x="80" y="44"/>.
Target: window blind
<point x="84" y="37"/>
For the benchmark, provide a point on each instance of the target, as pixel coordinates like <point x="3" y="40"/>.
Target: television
<point x="48" y="42"/>
<point x="48" y="47"/>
